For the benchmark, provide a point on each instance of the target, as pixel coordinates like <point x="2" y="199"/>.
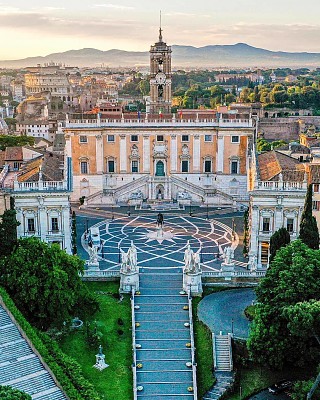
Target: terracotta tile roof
<point x="13" y="153"/>
<point x="2" y="154"/>
<point x="272" y="163"/>
<point x="51" y="168"/>
<point x="294" y="148"/>
<point x="314" y="173"/>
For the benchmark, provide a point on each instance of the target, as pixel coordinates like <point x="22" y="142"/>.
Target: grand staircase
<point x="20" y="367"/>
<point x="163" y="336"/>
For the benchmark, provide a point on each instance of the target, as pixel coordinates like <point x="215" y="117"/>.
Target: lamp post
<point x="201" y="255"/>
<point x="190" y="209"/>
<point x="233" y="228"/>
<point x="207" y="210"/>
<point x="232" y="326"/>
<point x="129" y="211"/>
<point x="112" y="216"/>
<point x="87" y="226"/>
<point x="119" y="258"/>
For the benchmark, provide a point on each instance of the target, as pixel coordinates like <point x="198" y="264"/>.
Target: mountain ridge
<point x="233" y="55"/>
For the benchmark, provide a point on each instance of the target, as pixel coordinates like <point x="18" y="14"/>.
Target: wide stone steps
<point x="163" y="337"/>
<point x="20" y="367"/>
<point x="222" y="349"/>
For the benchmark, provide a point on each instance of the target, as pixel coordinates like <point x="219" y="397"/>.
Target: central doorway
<point x="160" y="168"/>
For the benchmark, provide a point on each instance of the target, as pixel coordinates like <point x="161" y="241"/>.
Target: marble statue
<point x="132" y="257"/>
<point x="93" y="253"/>
<point x="252" y="264"/>
<point x="188" y="253"/>
<point x="183" y="196"/>
<point x="124" y="261"/>
<point x="196" y="261"/>
<point x="228" y="254"/>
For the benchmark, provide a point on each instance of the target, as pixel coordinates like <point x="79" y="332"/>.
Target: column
<point x="196" y="153"/>
<point x="43" y="222"/>
<point x="173" y="154"/>
<point x="220" y="158"/>
<point x="146" y="153"/>
<point x="123" y="153"/>
<point x="21" y="228"/>
<point x="278" y="218"/>
<point x="68" y="147"/>
<point x="99" y="154"/>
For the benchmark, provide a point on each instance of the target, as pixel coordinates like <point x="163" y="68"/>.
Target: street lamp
<point x="207" y="211"/>
<point x="119" y="258"/>
<point x="190" y="209"/>
<point x="87" y="226"/>
<point x="232" y="326"/>
<point x="112" y="216"/>
<point x="129" y="211"/>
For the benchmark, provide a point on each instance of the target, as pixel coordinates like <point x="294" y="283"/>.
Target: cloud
<point x="114" y="6"/>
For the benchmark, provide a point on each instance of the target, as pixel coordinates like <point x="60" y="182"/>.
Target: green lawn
<point x="115" y="382"/>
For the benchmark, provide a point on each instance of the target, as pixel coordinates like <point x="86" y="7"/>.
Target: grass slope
<point x="115" y="382"/>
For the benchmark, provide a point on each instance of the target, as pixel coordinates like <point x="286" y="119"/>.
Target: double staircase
<point x="165" y="367"/>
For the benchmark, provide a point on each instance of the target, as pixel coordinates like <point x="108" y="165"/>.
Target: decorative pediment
<point x="160" y="150"/>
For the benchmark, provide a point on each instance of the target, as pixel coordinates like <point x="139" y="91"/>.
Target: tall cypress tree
<point x="74" y="233"/>
<point x="279" y="239"/>
<point x="309" y="233"/>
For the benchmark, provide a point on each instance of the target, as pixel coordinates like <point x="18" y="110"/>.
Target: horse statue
<point x="160" y="220"/>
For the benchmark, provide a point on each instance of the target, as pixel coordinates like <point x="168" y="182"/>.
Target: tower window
<point x="110" y="138"/>
<point x="185" y="138"/>
<point x="234" y="139"/>
<point x="290" y="225"/>
<point x="134" y="138"/>
<point x="83" y="139"/>
<point x="159" y="138"/>
<point x="54" y="224"/>
<point x="208" y="138"/>
<point x="266" y="225"/>
<point x="234" y="167"/>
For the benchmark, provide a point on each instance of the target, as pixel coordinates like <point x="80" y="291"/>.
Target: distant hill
<point x="237" y="55"/>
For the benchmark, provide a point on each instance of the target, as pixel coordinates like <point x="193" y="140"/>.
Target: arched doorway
<point x="160" y="192"/>
<point x="160" y="168"/>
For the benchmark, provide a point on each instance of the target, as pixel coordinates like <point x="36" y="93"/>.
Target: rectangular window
<point x="266" y="225"/>
<point x="234" y="167"/>
<point x="316" y="205"/>
<point x="185" y="166"/>
<point x="31" y="225"/>
<point x="159" y="138"/>
<point x="185" y="138"/>
<point x="234" y="139"/>
<point x="316" y="187"/>
<point x="290" y="225"/>
<point x="54" y="224"/>
<point x="83" y="139"/>
<point x="208" y="138"/>
<point x="264" y="253"/>
<point x="207" y="166"/>
<point x="84" y="167"/>
<point x="110" y="166"/>
<point x="110" y="138"/>
<point x="16" y="165"/>
<point x="134" y="166"/>
<point x="134" y="138"/>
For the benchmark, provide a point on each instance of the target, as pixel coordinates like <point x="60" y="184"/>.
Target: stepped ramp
<point x="20" y="367"/>
<point x="163" y="315"/>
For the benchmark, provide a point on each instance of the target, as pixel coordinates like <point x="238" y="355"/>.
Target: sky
<point x="38" y="28"/>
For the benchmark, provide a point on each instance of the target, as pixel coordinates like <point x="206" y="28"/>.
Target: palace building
<point x="197" y="156"/>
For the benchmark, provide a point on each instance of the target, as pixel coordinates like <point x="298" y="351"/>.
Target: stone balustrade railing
<point x="281" y="185"/>
<point x="40" y="186"/>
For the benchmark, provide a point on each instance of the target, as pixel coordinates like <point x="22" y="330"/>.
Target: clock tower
<point x="160" y="77"/>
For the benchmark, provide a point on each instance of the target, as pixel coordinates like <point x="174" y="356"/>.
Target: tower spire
<point x="160" y="30"/>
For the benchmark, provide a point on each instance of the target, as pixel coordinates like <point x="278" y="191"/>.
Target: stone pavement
<point x="164" y="336"/>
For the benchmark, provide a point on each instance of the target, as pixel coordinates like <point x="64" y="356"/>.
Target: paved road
<point x="218" y="310"/>
<point x="265" y="395"/>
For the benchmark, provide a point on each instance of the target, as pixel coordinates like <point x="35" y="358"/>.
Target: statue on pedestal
<point x="252" y="264"/>
<point x="124" y="262"/>
<point x="132" y="257"/>
<point x="93" y="253"/>
<point x="188" y="253"/>
<point x="228" y="255"/>
<point x="100" y="360"/>
<point x="196" y="262"/>
<point x="160" y="220"/>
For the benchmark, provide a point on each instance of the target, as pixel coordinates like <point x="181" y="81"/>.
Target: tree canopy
<point x="8" y="393"/>
<point x="8" y="232"/>
<point x="10" y="141"/>
<point x="286" y="321"/>
<point x="45" y="284"/>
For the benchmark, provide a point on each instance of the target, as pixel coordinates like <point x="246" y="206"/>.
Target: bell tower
<point x="160" y="76"/>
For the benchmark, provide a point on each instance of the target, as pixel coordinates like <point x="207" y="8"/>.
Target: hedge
<point x="66" y="370"/>
<point x="8" y="393"/>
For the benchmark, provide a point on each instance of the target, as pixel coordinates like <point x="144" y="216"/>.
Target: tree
<point x="8" y="232"/>
<point x="309" y="233"/>
<point x="74" y="233"/>
<point x="44" y="282"/>
<point x="8" y="393"/>
<point x="279" y="239"/>
<point x="275" y="338"/>
<point x="9" y="141"/>
<point x="246" y="232"/>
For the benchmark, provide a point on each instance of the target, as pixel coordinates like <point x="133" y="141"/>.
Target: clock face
<point x="161" y="78"/>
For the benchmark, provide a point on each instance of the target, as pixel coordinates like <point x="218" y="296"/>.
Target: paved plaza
<point x="209" y="235"/>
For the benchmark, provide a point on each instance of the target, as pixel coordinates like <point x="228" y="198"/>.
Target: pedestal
<point x="192" y="282"/>
<point x="228" y="270"/>
<point x="100" y="362"/>
<point x="93" y="266"/>
<point x="129" y="281"/>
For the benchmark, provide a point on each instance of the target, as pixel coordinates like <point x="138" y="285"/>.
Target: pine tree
<point x="309" y="233"/>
